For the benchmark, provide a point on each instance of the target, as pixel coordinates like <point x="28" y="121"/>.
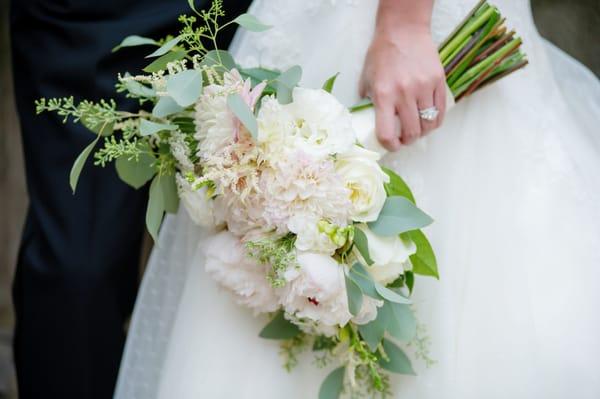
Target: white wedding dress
<point x="513" y="181"/>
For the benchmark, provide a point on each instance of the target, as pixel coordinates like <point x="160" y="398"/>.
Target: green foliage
<point x="395" y="360"/>
<point x="251" y="23"/>
<point x="185" y="87"/>
<point x="99" y="117"/>
<point x="279" y="328"/>
<point x="423" y="261"/>
<point x="135" y="40"/>
<point x="333" y="385"/>
<point x="286" y="82"/>
<point x="292" y="348"/>
<point x="279" y="254"/>
<point x="166" y="106"/>
<point x="398" y="216"/>
<point x="241" y="110"/>
<point x="390" y="295"/>
<point x="165" y="48"/>
<point x="355" y="296"/>
<point x="148" y="128"/>
<point x="136" y="171"/>
<point x="402" y="324"/>
<point x="79" y="163"/>
<point x="397" y="186"/>
<point x="160" y="64"/>
<point x="163" y="198"/>
<point x="363" y="279"/>
<point x="328" y="85"/>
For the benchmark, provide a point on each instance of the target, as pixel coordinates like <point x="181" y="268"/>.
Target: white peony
<point x="391" y="255"/>
<point x="197" y="204"/>
<point x="308" y="235"/>
<point x="323" y="124"/>
<point x="229" y="264"/>
<point x="317" y="291"/>
<point x="363" y="176"/>
<point x="368" y="311"/>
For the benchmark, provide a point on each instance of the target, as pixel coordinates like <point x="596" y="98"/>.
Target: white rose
<point x="362" y="174"/>
<point x="308" y="235"/>
<point x="317" y="292"/>
<point x="323" y="124"/>
<point x="391" y="255"/>
<point x="229" y="264"/>
<point x="368" y="311"/>
<point x="196" y="203"/>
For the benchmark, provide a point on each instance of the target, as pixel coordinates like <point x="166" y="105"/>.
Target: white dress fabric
<point x="513" y="181"/>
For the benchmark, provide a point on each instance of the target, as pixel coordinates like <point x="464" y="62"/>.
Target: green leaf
<point x="409" y="278"/>
<point x="373" y="332"/>
<point x="185" y="124"/>
<point x="355" y="296"/>
<point x="185" y="87"/>
<point x="237" y="105"/>
<point x="363" y="279"/>
<point x="362" y="104"/>
<point x="362" y="244"/>
<point x="390" y="295"/>
<point x="286" y="82"/>
<point x="423" y="261"/>
<point x="328" y="85"/>
<point x="136" y="173"/>
<point x="397" y="186"/>
<point x="259" y="74"/>
<point x="333" y="385"/>
<point x="398" y="216"/>
<point x="165" y="48"/>
<point x="251" y="23"/>
<point x="279" y="328"/>
<point x="102" y="128"/>
<point x="148" y="127"/>
<point x="193" y="7"/>
<point x="161" y="63"/>
<point x="155" y="209"/>
<point x="168" y="187"/>
<point x="134" y="40"/>
<point x="79" y="162"/>
<point x="402" y="324"/>
<point x="138" y="89"/>
<point x="218" y="57"/>
<point x="166" y="106"/>
<point x="398" y="361"/>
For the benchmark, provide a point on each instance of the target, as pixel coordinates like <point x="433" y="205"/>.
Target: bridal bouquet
<point x="307" y="226"/>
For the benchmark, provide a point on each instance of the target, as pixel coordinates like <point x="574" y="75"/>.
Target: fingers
<point x="426" y="101"/>
<point x="385" y="125"/>
<point x="440" y="102"/>
<point x="409" y="119"/>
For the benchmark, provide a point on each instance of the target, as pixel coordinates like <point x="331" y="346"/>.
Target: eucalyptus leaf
<point x="363" y="279"/>
<point x="259" y="74"/>
<point x="241" y="110"/>
<point x="362" y="244"/>
<point x="138" y="172"/>
<point x="161" y="63"/>
<point x="355" y="296"/>
<point x="148" y="127"/>
<point x="398" y="362"/>
<point x="286" y="82"/>
<point x="166" y="106"/>
<point x="328" y="85"/>
<point x="373" y="332"/>
<point x="251" y="23"/>
<point x="218" y="57"/>
<point x="155" y="209"/>
<point x="279" y="328"/>
<point x="397" y="186"/>
<point x="333" y="385"/>
<point x="168" y="190"/>
<point x="79" y="162"/>
<point x="423" y="261"/>
<point x="165" y="48"/>
<point x="390" y="295"/>
<point x="134" y="40"/>
<point x="102" y="128"/>
<point x="193" y="6"/>
<point x="398" y="216"/>
<point x="185" y="87"/>
<point x="136" y="88"/>
<point x="402" y="324"/>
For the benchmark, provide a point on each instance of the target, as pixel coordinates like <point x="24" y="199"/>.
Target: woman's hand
<point x="403" y="73"/>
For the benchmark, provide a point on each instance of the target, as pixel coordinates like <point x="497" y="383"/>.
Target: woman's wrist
<point x="400" y="17"/>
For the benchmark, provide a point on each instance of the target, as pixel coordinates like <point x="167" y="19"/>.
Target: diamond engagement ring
<point x="429" y="114"/>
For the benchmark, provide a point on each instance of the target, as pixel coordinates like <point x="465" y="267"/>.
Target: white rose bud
<point x="364" y="177"/>
<point x="391" y="255"/>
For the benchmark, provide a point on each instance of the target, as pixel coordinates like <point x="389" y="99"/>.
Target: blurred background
<point x="573" y="26"/>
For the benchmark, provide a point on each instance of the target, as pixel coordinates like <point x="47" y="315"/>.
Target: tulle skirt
<point x="513" y="182"/>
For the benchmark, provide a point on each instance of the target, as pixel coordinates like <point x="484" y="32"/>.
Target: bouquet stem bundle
<point x="480" y="51"/>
